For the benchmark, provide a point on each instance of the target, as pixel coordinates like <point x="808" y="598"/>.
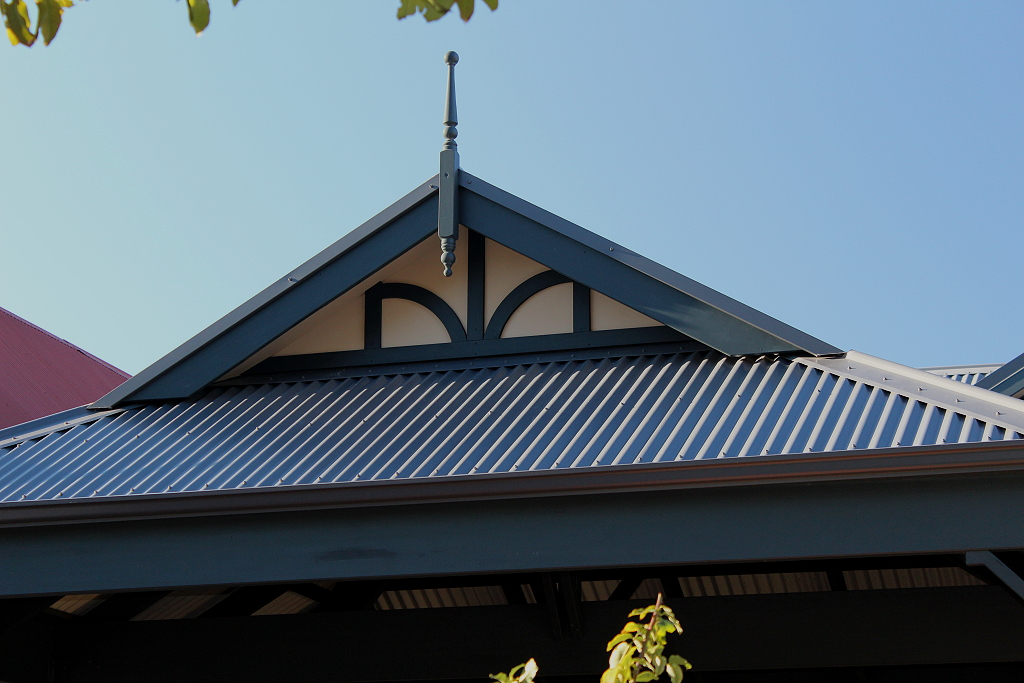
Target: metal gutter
<point x="889" y="463"/>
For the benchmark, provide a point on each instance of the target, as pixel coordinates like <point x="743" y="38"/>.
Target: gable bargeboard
<point x="543" y="279"/>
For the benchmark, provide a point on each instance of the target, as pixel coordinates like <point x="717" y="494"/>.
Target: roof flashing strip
<point x="981" y="404"/>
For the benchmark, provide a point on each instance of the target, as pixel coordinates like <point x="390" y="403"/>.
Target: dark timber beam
<point x="1006" y="576"/>
<point x="805" y="630"/>
<point x="741" y="524"/>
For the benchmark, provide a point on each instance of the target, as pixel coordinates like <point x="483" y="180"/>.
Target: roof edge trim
<point x="652" y="269"/>
<point x="266" y="297"/>
<point x="866" y="464"/>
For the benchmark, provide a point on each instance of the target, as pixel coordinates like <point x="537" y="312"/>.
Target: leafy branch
<point x="432" y="10"/>
<point x="637" y="653"/>
<point x="50" y="13"/>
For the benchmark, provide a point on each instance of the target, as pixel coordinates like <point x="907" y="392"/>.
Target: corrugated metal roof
<point x="536" y="416"/>
<point x="968" y="374"/>
<point x="42" y="374"/>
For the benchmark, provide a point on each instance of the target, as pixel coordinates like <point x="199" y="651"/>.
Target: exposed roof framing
<point x="668" y="297"/>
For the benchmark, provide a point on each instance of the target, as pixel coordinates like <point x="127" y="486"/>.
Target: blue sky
<point x="854" y="169"/>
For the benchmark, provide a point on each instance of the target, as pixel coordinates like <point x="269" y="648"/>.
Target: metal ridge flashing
<point x="867" y="464"/>
<point x="1001" y="410"/>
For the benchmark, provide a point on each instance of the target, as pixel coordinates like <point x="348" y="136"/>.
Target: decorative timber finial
<point x="448" y="197"/>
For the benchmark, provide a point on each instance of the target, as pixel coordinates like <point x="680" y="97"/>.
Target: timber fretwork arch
<point x="375" y="295"/>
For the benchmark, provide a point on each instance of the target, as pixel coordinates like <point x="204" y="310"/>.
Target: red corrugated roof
<point x="41" y="374"/>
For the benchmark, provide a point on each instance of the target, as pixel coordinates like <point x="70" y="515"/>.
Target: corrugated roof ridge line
<point x="148" y="461"/>
<point x="729" y="421"/>
<point x="706" y="365"/>
<point x="624" y="379"/>
<point x="273" y="441"/>
<point x="707" y="397"/>
<point x="26" y="474"/>
<point x="645" y="416"/>
<point x="336" y="419"/>
<point x="402" y="421"/>
<point x="16" y="459"/>
<point x="433" y="436"/>
<point x="160" y="415"/>
<point x="493" y="394"/>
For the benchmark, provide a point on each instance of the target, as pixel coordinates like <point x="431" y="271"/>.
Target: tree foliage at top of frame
<point x="49" y="14"/>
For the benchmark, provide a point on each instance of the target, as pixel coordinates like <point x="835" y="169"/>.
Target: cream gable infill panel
<point x="608" y="314"/>
<point x="549" y="311"/>
<point x="506" y="270"/>
<point x="406" y="323"/>
<point x="339" y="325"/>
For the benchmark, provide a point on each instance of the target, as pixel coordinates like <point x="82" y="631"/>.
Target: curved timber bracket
<point x="517" y="297"/>
<point x="448" y="194"/>
<point x="398" y="290"/>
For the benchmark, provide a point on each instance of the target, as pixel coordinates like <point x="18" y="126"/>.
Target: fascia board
<point x="134" y="387"/>
<point x="611" y="250"/>
<point x="957" y="460"/>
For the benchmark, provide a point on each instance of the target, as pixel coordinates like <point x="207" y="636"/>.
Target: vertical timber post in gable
<point x="580" y="307"/>
<point x="475" y="290"/>
<point x="373" y="312"/>
<point x="448" y="198"/>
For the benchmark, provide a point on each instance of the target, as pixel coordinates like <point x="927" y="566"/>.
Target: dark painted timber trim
<point x="580" y="308"/>
<point x="445" y="365"/>
<point x="670" y="298"/>
<point x="374" y="299"/>
<point x="468" y="349"/>
<point x="477" y="271"/>
<point x="889" y="463"/>
<point x="517" y="297"/>
<point x="247" y="329"/>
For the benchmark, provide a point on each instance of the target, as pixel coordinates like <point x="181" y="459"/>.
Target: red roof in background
<point x="41" y="374"/>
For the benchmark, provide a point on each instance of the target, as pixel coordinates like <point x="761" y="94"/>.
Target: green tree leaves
<point x="432" y="10"/>
<point x="19" y="25"/>
<point x="50" y="13"/>
<point x="637" y="653"/>
<point x="524" y="673"/>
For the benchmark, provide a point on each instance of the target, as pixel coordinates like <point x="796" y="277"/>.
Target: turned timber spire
<point x="448" y="198"/>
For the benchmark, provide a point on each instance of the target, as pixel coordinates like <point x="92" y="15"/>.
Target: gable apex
<point x="686" y="307"/>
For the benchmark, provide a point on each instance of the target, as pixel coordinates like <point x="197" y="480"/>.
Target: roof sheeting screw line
<point x="448" y="199"/>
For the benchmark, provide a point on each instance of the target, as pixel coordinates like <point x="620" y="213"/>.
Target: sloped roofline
<point x="673" y="299"/>
<point x="1008" y="380"/>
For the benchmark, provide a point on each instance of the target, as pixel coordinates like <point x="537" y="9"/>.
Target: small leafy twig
<point x="524" y="673"/>
<point x="432" y="10"/>
<point x="637" y="652"/>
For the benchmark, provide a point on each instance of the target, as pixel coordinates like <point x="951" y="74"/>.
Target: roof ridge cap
<point x="1014" y="408"/>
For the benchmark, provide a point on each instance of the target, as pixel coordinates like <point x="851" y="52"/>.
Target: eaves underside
<point x="955" y="460"/>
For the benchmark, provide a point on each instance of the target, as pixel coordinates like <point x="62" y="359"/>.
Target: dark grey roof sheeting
<point x="544" y="415"/>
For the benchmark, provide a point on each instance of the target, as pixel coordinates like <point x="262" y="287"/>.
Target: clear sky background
<point x="853" y="169"/>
